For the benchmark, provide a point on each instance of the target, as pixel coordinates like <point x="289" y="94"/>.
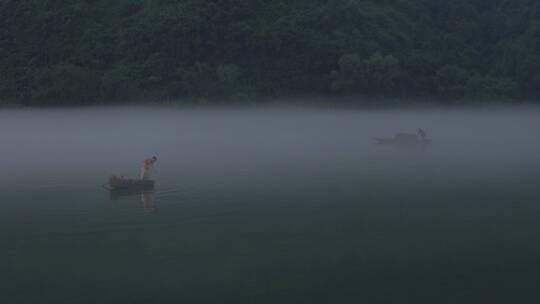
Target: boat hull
<point x="130" y="183"/>
<point x="403" y="143"/>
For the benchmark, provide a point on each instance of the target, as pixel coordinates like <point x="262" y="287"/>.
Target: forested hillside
<point x="99" y="51"/>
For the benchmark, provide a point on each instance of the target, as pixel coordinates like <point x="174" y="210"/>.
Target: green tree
<point x="375" y="76"/>
<point x="63" y="84"/>
<point x="452" y="82"/>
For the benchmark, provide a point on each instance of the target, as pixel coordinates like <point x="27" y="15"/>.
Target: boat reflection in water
<point x="146" y="196"/>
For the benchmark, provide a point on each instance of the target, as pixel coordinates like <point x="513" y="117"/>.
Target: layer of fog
<point x="221" y="144"/>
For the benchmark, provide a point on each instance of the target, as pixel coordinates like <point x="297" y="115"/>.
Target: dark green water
<point x="270" y="206"/>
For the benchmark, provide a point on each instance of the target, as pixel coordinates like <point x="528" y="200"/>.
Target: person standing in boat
<point x="421" y="134"/>
<point x="148" y="165"/>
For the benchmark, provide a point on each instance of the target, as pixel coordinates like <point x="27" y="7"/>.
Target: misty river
<point x="270" y="205"/>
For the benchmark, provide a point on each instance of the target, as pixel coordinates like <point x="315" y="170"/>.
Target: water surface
<point x="270" y="206"/>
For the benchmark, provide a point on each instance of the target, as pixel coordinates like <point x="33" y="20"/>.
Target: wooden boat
<point x="116" y="182"/>
<point x="404" y="140"/>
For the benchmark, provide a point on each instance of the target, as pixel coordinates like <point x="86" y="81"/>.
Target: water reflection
<point x="147" y="197"/>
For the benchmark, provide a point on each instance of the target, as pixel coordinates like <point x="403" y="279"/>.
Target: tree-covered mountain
<point x="88" y="51"/>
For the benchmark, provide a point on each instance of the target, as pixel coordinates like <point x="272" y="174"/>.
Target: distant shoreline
<point x="302" y="102"/>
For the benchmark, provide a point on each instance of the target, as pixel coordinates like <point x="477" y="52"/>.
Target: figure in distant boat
<point x="147" y="167"/>
<point x="421" y="134"/>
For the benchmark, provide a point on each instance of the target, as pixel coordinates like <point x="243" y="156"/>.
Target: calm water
<point x="270" y="206"/>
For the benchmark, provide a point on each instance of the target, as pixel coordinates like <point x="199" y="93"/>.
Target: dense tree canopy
<point x="89" y="51"/>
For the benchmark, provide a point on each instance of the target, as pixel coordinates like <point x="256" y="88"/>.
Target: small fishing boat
<point x="404" y="140"/>
<point x="121" y="182"/>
